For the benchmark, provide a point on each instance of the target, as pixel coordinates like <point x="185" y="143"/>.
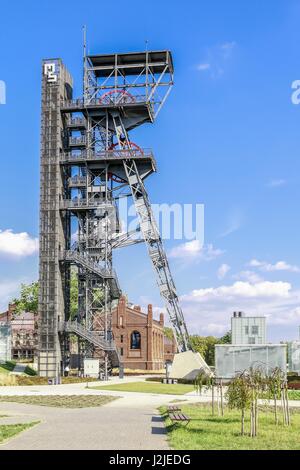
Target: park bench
<point x="173" y="409"/>
<point x="179" y="418"/>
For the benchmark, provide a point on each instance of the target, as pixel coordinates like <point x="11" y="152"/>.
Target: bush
<point x="31" y="380"/>
<point x="30" y="371"/>
<point x="75" y="380"/>
<point x="8" y="365"/>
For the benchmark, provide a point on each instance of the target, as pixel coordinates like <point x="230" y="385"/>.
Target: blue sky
<point x="228" y="137"/>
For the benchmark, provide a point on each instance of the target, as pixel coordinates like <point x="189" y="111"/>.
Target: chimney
<point x="161" y="319"/>
<point x="150" y="314"/>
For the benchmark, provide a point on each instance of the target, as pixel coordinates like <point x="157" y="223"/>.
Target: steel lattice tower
<point x="88" y="163"/>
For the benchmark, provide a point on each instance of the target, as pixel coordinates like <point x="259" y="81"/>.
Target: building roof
<point x="132" y="63"/>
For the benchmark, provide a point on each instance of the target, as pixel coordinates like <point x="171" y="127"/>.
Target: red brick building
<point x="139" y="338"/>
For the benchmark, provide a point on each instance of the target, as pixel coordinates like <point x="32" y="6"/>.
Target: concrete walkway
<point x="130" y="422"/>
<point x="106" y="427"/>
<point x="19" y="369"/>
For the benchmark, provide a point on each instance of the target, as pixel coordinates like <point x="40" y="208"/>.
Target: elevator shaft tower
<point x="89" y="162"/>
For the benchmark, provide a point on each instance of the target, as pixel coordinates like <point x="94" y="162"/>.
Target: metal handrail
<point x="77" y="140"/>
<point x="113" y="101"/>
<point x="78" y="121"/>
<point x="87" y="262"/>
<point x="109" y="154"/>
<point x="79" y="202"/>
<point x="93" y="337"/>
<point x="77" y="180"/>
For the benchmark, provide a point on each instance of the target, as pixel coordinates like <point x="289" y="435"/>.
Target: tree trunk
<point x="243" y="422"/>
<point x="283" y="406"/>
<point x="213" y="400"/>
<point x="222" y="402"/>
<point x="287" y="405"/>
<point x="218" y="401"/>
<point x="256" y="417"/>
<point x="275" y="408"/>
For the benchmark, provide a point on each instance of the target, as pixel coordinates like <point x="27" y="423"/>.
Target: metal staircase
<point x="93" y="338"/>
<point x="77" y="258"/>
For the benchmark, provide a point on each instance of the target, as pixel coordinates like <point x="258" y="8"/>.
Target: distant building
<point x="232" y="360"/>
<point x="23" y="330"/>
<point x="247" y="330"/>
<point x="5" y="342"/>
<point x="294" y="356"/>
<point x="248" y="348"/>
<point x="170" y="348"/>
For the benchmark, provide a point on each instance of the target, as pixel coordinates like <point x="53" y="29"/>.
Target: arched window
<point x="135" y="340"/>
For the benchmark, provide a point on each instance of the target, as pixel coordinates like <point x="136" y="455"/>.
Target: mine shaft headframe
<point x="133" y="78"/>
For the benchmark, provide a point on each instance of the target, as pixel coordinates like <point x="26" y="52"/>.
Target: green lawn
<point x="149" y="387"/>
<point x="63" y="401"/>
<point x="206" y="432"/>
<point x="294" y="394"/>
<point x="10" y="430"/>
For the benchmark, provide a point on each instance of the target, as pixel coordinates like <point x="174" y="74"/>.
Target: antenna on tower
<point x="84" y="60"/>
<point x="84" y="41"/>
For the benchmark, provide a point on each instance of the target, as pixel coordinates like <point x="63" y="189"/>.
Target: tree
<point x="28" y="300"/>
<point x="168" y="332"/>
<point x="226" y="339"/>
<point x="29" y="295"/>
<point x="239" y="396"/>
<point x="73" y="294"/>
<point x="205" y="346"/>
<point x="199" y="344"/>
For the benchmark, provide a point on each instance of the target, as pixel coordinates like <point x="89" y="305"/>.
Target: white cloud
<point x="234" y="222"/>
<point x="208" y="310"/>
<point x="249" y="276"/>
<point x="8" y="290"/>
<point x="279" y="266"/>
<point x="276" y="183"/>
<point x="216" y="59"/>
<point x="194" y="251"/>
<point x="243" y="289"/>
<point x="17" y="244"/>
<point x="227" y="48"/>
<point x="223" y="270"/>
<point x="203" y="67"/>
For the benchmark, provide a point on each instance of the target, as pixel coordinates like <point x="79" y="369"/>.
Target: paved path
<point x="130" y="422"/>
<point x="105" y="427"/>
<point x="19" y="369"/>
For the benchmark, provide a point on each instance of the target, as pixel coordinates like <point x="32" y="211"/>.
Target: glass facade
<point x="232" y="360"/>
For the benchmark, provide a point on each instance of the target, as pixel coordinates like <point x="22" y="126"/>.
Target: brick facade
<point x="139" y="338"/>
